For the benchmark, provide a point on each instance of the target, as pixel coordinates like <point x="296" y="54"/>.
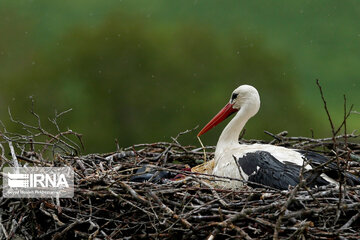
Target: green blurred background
<point x="143" y="71"/>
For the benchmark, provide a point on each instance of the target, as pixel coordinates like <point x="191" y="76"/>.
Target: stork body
<point x="265" y="164"/>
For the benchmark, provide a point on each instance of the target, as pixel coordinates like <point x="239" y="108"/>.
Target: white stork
<point x="265" y="164"/>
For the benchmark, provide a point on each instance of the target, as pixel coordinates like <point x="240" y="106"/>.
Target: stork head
<point x="245" y="97"/>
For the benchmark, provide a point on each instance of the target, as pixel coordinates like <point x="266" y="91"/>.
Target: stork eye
<point x="234" y="96"/>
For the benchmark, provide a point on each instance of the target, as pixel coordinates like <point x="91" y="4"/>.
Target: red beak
<point x="221" y="116"/>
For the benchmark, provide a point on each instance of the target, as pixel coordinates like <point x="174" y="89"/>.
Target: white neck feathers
<point x="229" y="137"/>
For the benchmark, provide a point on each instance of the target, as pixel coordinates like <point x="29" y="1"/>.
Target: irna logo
<point x="38" y="182"/>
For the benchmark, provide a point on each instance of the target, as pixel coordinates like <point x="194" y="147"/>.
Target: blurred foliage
<point x="131" y="79"/>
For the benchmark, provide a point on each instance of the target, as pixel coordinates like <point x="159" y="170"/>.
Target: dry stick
<point x="13" y="155"/>
<point x="262" y="221"/>
<point x="327" y="208"/>
<point x="346" y="116"/>
<point x="348" y="150"/>
<point x="43" y="131"/>
<point x="326" y="109"/>
<point x="2" y="157"/>
<point x="303" y="226"/>
<point x="287" y="203"/>
<point x="169" y="211"/>
<point x="242" y="233"/>
<point x="175" y="139"/>
<point x="54" y="121"/>
<point x="130" y="203"/>
<point x="312" y="144"/>
<point x="241" y="215"/>
<point x="51" y="214"/>
<point x="216" y="195"/>
<point x="351" y="221"/>
<point x="319" y="140"/>
<point x="2" y="228"/>
<point x="60" y="235"/>
<point x="15" y="225"/>
<point x="183" y="205"/>
<point x="186" y="206"/>
<point x="185" y="132"/>
<point x="355" y="157"/>
<point x="278" y="137"/>
<point x="238" y="167"/>
<point x="12" y="151"/>
<point x="335" y="149"/>
<point x="34" y="161"/>
<point x="202" y="145"/>
<point x="133" y="193"/>
<point x="312" y="195"/>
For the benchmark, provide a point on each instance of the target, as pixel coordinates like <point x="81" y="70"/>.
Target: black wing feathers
<point x="150" y="174"/>
<point x="263" y="168"/>
<point x="330" y="169"/>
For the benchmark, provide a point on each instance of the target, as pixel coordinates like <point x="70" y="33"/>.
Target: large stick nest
<point x="107" y="205"/>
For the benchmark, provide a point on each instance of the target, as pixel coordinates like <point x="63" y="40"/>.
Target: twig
<point x="216" y="195"/>
<point x="169" y="211"/>
<point x="326" y="109"/>
<point x="13" y="155"/>
<point x="238" y="167"/>
<point x="350" y="222"/>
<point x="282" y="211"/>
<point x="341" y="181"/>
<point x="133" y="192"/>
<point x="60" y="235"/>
